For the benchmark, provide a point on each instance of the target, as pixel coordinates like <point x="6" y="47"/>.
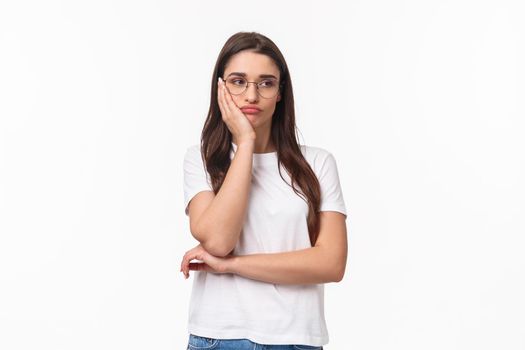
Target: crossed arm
<point x="323" y="263"/>
<point x="218" y="233"/>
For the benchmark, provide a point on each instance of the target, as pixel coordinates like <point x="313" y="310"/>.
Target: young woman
<point x="269" y="213"/>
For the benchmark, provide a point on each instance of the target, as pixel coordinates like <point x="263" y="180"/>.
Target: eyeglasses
<point x="267" y="88"/>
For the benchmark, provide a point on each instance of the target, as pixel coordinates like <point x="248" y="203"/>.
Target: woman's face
<point x="251" y="66"/>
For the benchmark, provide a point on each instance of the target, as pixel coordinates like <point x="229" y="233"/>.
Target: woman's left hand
<point x="210" y="263"/>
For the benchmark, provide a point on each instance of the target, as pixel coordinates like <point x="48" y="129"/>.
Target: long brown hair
<point x="216" y="138"/>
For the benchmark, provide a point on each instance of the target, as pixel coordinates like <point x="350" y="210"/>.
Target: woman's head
<point x="254" y="54"/>
<point x="239" y="72"/>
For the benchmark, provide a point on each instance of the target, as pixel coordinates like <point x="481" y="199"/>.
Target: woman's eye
<point x="266" y="83"/>
<point x="238" y="81"/>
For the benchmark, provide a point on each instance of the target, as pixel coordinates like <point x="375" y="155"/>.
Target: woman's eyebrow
<point x="260" y="76"/>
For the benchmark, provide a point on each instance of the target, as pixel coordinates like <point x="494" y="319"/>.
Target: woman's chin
<point x="252" y="117"/>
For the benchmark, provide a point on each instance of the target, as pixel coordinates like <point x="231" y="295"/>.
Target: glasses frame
<point x="279" y="86"/>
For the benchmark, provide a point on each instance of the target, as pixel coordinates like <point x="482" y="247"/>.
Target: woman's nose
<point x="251" y="92"/>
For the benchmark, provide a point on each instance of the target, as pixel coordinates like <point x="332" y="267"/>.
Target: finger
<point x="194" y="253"/>
<point x="229" y="100"/>
<point x="183" y="267"/>
<point x="182" y="263"/>
<point x="190" y="255"/>
<point x="225" y="106"/>
<point x="224" y="101"/>
<point x="219" y="97"/>
<point x="186" y="261"/>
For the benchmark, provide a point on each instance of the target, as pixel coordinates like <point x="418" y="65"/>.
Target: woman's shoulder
<point x="192" y="154"/>
<point x="318" y="157"/>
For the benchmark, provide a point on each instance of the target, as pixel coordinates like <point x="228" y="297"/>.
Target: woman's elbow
<point x="218" y="249"/>
<point x="211" y="241"/>
<point x="338" y="274"/>
<point x="215" y="248"/>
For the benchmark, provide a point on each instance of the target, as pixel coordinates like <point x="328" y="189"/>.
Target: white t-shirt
<point x="229" y="306"/>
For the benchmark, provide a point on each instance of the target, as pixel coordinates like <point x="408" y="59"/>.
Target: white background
<point x="421" y="103"/>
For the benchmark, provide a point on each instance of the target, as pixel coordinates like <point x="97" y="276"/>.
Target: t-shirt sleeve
<point x="331" y="192"/>
<point x="196" y="178"/>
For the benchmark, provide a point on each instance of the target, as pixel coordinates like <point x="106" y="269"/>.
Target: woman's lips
<point x="250" y="110"/>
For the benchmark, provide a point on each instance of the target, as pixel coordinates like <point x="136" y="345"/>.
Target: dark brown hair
<point x="216" y="138"/>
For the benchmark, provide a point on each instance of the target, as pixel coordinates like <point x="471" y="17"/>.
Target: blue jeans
<point x="202" y="343"/>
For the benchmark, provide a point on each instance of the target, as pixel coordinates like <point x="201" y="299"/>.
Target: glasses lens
<point x="268" y="88"/>
<point x="236" y="85"/>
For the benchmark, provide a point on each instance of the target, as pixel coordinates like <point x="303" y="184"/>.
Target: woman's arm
<point x="216" y="221"/>
<point x="323" y="263"/>
<point x="306" y="266"/>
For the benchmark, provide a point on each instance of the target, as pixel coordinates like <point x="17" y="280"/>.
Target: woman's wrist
<point x="231" y="264"/>
<point x="246" y="143"/>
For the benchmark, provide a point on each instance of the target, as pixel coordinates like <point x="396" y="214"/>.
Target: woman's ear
<point x="279" y="98"/>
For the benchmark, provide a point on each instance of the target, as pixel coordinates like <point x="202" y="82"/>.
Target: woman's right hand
<point x="235" y="120"/>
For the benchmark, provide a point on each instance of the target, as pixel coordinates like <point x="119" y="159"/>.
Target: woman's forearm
<point x="219" y="227"/>
<point x="305" y="266"/>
